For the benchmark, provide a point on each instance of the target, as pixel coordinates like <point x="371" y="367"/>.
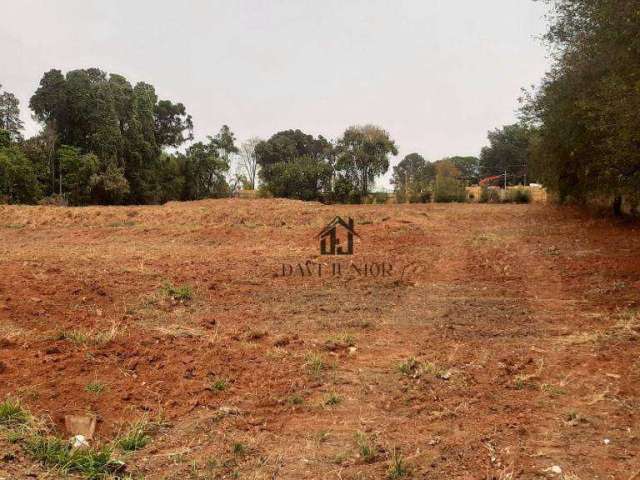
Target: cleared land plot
<point x="512" y="351"/>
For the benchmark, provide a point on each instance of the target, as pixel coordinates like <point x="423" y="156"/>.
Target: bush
<point x="18" y="181"/>
<point x="518" y="195"/>
<point x="489" y="195"/>
<point x="54" y="200"/>
<point x="449" y="189"/>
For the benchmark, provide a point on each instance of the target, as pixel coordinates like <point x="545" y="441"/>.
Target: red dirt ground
<point x="524" y="318"/>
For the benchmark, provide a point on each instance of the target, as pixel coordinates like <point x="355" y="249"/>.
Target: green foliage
<point x="204" y="170"/>
<point x="303" y="178"/>
<point x="508" y="150"/>
<point x="518" y="195"/>
<point x="368" y="451"/>
<point x="413" y="179"/>
<point x="447" y="186"/>
<point x="10" y="115"/>
<point x="135" y="439"/>
<point x="586" y="109"/>
<point x="181" y="293"/>
<point x="12" y="413"/>
<point x="295" y="165"/>
<point x="117" y="132"/>
<point x="95" y="387"/>
<point x="18" y="181"/>
<point x="76" y="172"/>
<point x="397" y="467"/>
<point x="54" y="452"/>
<point x="362" y="154"/>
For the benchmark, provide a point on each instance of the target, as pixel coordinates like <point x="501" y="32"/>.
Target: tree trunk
<point x="617" y="206"/>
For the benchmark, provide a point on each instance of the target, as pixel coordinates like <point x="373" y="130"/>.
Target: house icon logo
<point x="332" y="237"/>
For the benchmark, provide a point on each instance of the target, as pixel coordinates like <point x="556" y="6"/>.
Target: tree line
<point x="106" y="141"/>
<point x="585" y="115"/>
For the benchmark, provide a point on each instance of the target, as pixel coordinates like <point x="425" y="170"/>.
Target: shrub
<point x="518" y="195"/>
<point x="449" y="189"/>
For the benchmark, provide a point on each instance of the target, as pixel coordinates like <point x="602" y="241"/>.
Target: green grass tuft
<point x="92" y="463"/>
<point x="135" y="439"/>
<point x="12" y="413"/>
<point x="181" y="293"/>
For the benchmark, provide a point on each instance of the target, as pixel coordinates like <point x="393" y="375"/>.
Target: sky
<point x="436" y="74"/>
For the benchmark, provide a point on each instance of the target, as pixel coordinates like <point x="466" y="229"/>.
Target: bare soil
<point x="521" y="320"/>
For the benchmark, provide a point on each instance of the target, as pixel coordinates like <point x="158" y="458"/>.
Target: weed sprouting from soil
<point x="366" y="448"/>
<point x="219" y="385"/>
<point x="409" y="367"/>
<point x="54" y="452"/>
<point x="95" y="387"/>
<point x="315" y="364"/>
<point x="135" y="439"/>
<point x="180" y="293"/>
<point x="239" y="449"/>
<point x="295" y="400"/>
<point x="414" y="368"/>
<point x="332" y="399"/>
<point x="12" y="413"/>
<point x="397" y="466"/>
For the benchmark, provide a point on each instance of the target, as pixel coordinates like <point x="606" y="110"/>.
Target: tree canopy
<point x="586" y="112"/>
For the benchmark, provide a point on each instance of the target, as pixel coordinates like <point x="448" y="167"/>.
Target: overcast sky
<point x="437" y="74"/>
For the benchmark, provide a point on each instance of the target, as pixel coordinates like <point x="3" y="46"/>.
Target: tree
<point x="10" y="115"/>
<point x="447" y="186"/>
<point x="250" y="161"/>
<point x="469" y="168"/>
<point x="204" y="171"/>
<point x="412" y="179"/>
<point x="18" y="181"/>
<point x="125" y="127"/>
<point x="508" y="151"/>
<point x="289" y="153"/>
<point x="586" y="112"/>
<point x="76" y="171"/>
<point x="363" y="154"/>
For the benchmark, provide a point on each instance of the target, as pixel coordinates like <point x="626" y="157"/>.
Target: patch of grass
<point x="219" y="385"/>
<point x="135" y="439"/>
<point x="553" y="390"/>
<point x="254" y="335"/>
<point x="83" y="337"/>
<point x="520" y="381"/>
<point x="124" y="224"/>
<point x="437" y="371"/>
<point x="397" y="467"/>
<point x="315" y="364"/>
<point x="332" y="399"/>
<point x="12" y="413"/>
<point x="368" y="451"/>
<point x="180" y="293"/>
<point x="239" y="449"/>
<point x="343" y="339"/>
<point x="95" y="387"/>
<point x="54" y="452"/>
<point x="295" y="400"/>
<point x="75" y="336"/>
<point x="409" y="367"/>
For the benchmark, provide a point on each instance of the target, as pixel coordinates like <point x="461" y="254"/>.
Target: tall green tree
<point x="363" y="154"/>
<point x="10" y="115"/>
<point x="508" y="151"/>
<point x="587" y="109"/>
<point x="413" y="178"/>
<point x="125" y="127"/>
<point x="294" y="164"/>
<point x="18" y="181"/>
